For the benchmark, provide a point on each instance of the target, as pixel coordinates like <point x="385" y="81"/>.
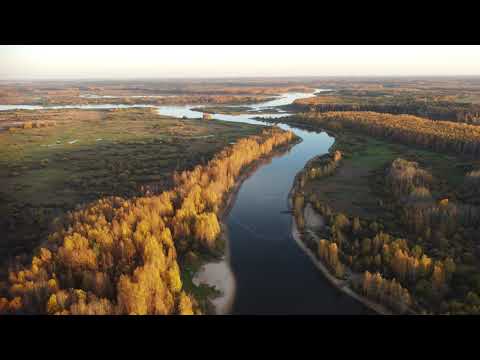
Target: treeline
<point x="447" y="227"/>
<point x="407" y="180"/>
<point x="384" y="291"/>
<point x="438" y="136"/>
<point x="443" y="110"/>
<point x="32" y="124"/>
<point x="118" y="256"/>
<point x="154" y="101"/>
<point x="320" y="166"/>
<point x="429" y="219"/>
<point x="327" y="251"/>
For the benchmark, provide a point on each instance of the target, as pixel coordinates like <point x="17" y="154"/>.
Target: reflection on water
<point x="285" y="99"/>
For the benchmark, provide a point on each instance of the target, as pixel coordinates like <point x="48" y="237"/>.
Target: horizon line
<point x="237" y="77"/>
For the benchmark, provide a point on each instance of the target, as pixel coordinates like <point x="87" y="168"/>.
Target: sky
<point x="182" y="61"/>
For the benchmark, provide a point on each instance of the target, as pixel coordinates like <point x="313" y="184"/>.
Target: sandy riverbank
<point x="220" y="275"/>
<point x="315" y="221"/>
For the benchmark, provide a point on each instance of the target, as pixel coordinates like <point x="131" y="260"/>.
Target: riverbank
<point x="314" y="222"/>
<point x="339" y="284"/>
<point x="218" y="273"/>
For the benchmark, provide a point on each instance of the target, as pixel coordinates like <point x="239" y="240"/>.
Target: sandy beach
<point x="220" y="275"/>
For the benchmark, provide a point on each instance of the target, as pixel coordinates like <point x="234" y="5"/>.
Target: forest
<point x="441" y="110"/>
<point x="434" y="99"/>
<point x="124" y="256"/>
<point x="439" y="136"/>
<point x="426" y="263"/>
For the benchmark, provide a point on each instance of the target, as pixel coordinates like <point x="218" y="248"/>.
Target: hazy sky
<point x="40" y="61"/>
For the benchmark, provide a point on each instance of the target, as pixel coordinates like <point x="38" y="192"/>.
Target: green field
<point x="356" y="188"/>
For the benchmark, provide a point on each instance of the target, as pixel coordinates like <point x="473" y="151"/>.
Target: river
<point x="273" y="275"/>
